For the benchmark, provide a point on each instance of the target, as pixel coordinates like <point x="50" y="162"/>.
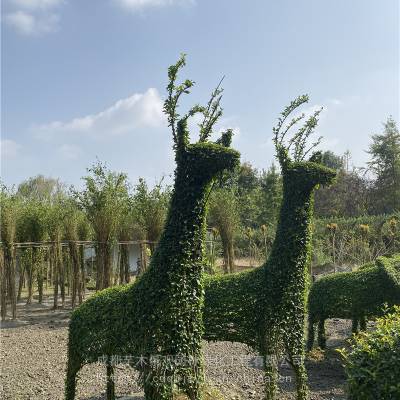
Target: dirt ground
<point x="33" y="360"/>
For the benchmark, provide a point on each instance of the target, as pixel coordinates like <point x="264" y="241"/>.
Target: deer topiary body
<point x="265" y="308"/>
<point x="158" y="318"/>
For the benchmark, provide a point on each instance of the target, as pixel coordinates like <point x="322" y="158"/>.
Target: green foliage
<point x="385" y="163"/>
<point x="332" y="160"/>
<point x="348" y="197"/>
<point x="270" y="197"/>
<point x="159" y="316"/>
<point x="105" y="192"/>
<point x="150" y="209"/>
<point x="357" y="295"/>
<point x="9" y="208"/>
<point x="373" y="363"/>
<point x="355" y="241"/>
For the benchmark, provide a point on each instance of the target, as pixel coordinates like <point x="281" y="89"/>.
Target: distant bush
<point x="373" y="364"/>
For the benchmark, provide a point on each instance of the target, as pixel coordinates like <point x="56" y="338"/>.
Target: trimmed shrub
<point x="373" y="364"/>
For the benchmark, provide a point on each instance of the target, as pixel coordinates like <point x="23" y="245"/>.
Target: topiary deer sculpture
<point x="158" y="318"/>
<point x="358" y="295"/>
<point x="265" y="308"/>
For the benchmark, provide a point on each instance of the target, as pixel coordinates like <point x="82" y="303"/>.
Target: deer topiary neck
<point x="185" y="224"/>
<point x="291" y="247"/>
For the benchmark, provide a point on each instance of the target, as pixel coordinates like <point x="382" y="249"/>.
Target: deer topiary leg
<point x="157" y="383"/>
<point x="296" y="358"/>
<point x="310" y="335"/>
<point x="70" y="382"/>
<point x="363" y="323"/>
<point x="321" y="334"/>
<point x="271" y="377"/>
<point x="354" y="325"/>
<point x="271" y="373"/>
<point x="110" y="381"/>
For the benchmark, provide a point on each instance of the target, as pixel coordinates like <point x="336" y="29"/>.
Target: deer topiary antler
<point x="296" y="146"/>
<point x="211" y="112"/>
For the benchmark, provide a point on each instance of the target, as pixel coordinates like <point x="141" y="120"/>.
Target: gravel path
<point x="33" y="359"/>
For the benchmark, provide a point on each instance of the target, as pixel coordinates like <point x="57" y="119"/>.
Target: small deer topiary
<point x="357" y="295"/>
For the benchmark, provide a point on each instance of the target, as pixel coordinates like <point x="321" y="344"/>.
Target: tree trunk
<point x="124" y="264"/>
<point x="121" y="264"/>
<point x="231" y="252"/>
<point x="107" y="266"/>
<point x="99" y="266"/>
<point x="229" y="256"/>
<point x="143" y="258"/>
<point x="29" y="274"/>
<point x="64" y="260"/>
<point x="75" y="272"/>
<point x="126" y="272"/>
<point x="39" y="272"/>
<point x="55" y="275"/>
<point x="21" y="282"/>
<point x="9" y="261"/>
<point x="57" y="266"/>
<point x="82" y="288"/>
<point x="3" y="278"/>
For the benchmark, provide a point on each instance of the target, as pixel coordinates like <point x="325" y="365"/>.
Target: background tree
<point x="8" y="217"/>
<point x="71" y="226"/>
<point x="32" y="227"/>
<point x="84" y="234"/>
<point x="270" y="196"/>
<point x="347" y="197"/>
<point x="332" y="160"/>
<point x="55" y="225"/>
<point x="41" y="188"/>
<point x="102" y="199"/>
<point x="385" y="164"/>
<point x="224" y="215"/>
<point x="150" y="208"/>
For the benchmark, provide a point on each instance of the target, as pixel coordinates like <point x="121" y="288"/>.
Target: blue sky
<point x="86" y="79"/>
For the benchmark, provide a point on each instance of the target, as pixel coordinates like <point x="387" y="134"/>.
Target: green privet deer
<point x="265" y="308"/>
<point x="357" y="295"/>
<point x="158" y="318"/>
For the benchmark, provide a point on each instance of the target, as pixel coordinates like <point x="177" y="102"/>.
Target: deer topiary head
<point x="299" y="163"/>
<point x="204" y="159"/>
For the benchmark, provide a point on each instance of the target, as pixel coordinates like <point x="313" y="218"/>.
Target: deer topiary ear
<point x="283" y="156"/>
<point x="226" y="138"/>
<point x="182" y="135"/>
<point x="316" y="157"/>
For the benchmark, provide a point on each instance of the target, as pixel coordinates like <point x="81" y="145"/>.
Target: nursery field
<point x="113" y="290"/>
<point x="33" y="356"/>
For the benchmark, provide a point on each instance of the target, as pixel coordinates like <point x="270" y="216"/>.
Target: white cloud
<point x="70" y="151"/>
<point x="123" y="117"/>
<point x="336" y="102"/>
<point x="139" y="5"/>
<point x="9" y="148"/>
<point x="30" y="24"/>
<point x="36" y="4"/>
<point x="33" y="17"/>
